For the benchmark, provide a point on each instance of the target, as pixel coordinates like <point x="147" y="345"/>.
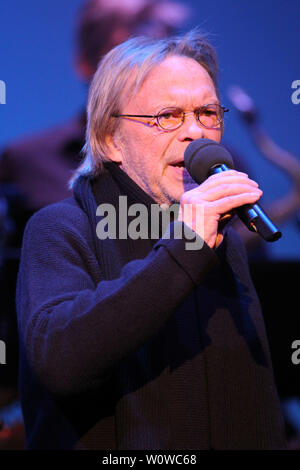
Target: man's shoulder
<point x="65" y="215"/>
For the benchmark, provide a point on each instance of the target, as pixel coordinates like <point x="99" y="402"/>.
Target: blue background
<point x="258" y="45"/>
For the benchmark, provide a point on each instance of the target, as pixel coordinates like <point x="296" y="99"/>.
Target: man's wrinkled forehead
<point x="171" y="76"/>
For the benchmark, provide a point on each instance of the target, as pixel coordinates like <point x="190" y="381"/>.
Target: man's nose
<point x="191" y="128"/>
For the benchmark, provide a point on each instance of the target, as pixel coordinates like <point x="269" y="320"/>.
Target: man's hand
<point x="217" y="196"/>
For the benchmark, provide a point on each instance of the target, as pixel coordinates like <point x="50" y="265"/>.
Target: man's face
<point x="148" y="153"/>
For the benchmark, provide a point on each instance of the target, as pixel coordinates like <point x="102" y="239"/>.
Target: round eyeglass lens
<point x="170" y="118"/>
<point x="210" y="116"/>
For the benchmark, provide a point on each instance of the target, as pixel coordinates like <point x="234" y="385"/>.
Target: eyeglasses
<point x="169" y="119"/>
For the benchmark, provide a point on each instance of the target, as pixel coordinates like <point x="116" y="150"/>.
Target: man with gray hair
<point x="138" y="343"/>
<point x="34" y="171"/>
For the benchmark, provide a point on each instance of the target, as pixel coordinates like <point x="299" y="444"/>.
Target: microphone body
<point x="205" y="157"/>
<point x="253" y="215"/>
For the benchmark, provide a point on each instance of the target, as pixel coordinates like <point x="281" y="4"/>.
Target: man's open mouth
<point x="178" y="164"/>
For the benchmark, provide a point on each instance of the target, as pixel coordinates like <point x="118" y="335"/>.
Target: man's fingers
<point x="220" y="194"/>
<point x="228" y="203"/>
<point x="226" y="174"/>
<point x="225" y="190"/>
<point x="224" y="178"/>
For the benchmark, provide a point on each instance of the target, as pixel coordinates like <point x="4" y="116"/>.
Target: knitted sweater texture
<point x="139" y="344"/>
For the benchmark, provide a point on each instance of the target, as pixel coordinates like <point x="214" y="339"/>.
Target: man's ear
<point x="114" y="149"/>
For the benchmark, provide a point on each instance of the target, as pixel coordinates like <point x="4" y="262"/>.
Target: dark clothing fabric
<point x="34" y="172"/>
<point x="138" y="344"/>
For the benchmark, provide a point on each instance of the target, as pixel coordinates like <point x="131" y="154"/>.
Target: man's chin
<point x="174" y="196"/>
<point x="174" y="188"/>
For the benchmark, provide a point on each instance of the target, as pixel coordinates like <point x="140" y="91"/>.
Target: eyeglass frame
<point x="156" y="116"/>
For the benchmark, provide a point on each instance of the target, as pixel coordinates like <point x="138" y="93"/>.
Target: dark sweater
<point x="138" y="344"/>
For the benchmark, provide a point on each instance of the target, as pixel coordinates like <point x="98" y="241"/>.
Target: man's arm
<point x="75" y="329"/>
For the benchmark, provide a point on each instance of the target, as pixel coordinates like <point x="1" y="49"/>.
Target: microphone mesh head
<point x="203" y="154"/>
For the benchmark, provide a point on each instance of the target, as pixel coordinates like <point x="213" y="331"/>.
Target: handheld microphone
<point x="205" y="157"/>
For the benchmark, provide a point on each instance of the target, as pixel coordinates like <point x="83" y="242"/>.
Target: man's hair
<point x="120" y="75"/>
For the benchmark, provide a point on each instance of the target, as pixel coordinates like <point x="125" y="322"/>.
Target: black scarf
<point x="106" y="189"/>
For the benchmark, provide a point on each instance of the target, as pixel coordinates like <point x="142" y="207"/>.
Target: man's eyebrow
<point x="174" y="104"/>
<point x="206" y="99"/>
